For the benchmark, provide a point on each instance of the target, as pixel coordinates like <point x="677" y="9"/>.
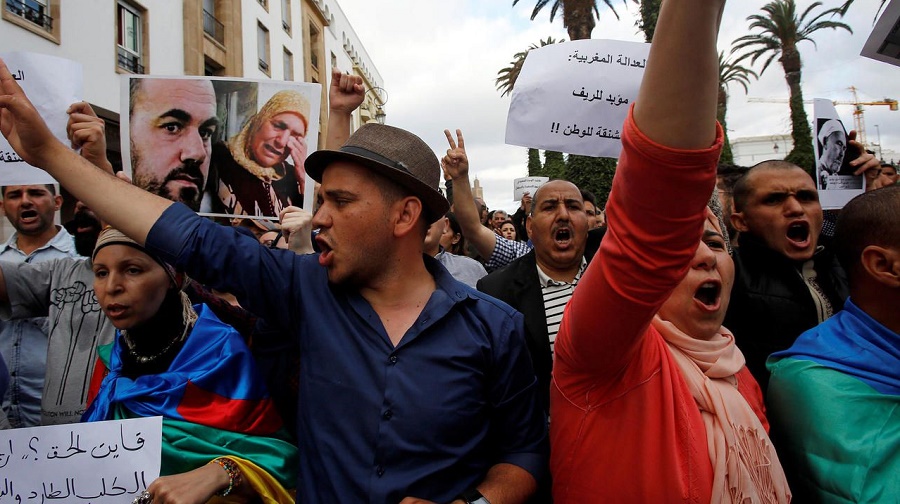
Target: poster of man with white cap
<point x="833" y="170"/>
<point x="834" y="176"/>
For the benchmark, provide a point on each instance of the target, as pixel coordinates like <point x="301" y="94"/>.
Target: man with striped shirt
<point x="540" y="283"/>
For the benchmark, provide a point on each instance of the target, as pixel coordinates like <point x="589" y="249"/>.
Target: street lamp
<point x="381" y="98"/>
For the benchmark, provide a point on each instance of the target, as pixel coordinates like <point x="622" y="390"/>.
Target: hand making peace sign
<point x="455" y="163"/>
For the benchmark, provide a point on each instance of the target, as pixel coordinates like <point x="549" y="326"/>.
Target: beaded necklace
<point x="144" y="359"/>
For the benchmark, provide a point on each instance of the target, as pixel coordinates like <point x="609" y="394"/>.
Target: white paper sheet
<point x="52" y="84"/>
<point x="97" y="462"/>
<point x="573" y="97"/>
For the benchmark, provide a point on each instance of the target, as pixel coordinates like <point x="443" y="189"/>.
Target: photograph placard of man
<point x="221" y="146"/>
<point x="834" y="176"/>
<point x="833" y="170"/>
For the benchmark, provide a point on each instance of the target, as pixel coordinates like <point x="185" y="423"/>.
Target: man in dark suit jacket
<point x="540" y="283"/>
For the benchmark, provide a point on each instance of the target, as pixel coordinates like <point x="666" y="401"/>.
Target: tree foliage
<point x="592" y="174"/>
<point x="578" y="15"/>
<point x="779" y="30"/>
<point x="535" y="168"/>
<point x="507" y="77"/>
<point x="848" y="3"/>
<point x="649" y="15"/>
<point x="730" y="72"/>
<point x="554" y="165"/>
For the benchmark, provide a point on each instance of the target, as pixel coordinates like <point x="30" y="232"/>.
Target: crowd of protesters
<point x="708" y="334"/>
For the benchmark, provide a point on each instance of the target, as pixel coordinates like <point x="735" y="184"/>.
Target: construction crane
<point x="859" y="122"/>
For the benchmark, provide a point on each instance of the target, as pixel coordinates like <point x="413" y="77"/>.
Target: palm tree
<point x="730" y="72"/>
<point x="578" y="15"/>
<point x="506" y="81"/>
<point x="780" y="30"/>
<point x="848" y="3"/>
<point x="506" y="77"/>
<point x="649" y="14"/>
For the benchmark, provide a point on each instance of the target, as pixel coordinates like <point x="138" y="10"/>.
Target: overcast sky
<point x="439" y="61"/>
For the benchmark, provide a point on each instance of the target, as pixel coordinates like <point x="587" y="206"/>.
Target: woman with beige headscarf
<point x="222" y="438"/>
<point x="251" y="173"/>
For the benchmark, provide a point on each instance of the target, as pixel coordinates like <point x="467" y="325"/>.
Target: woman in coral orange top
<point x="651" y="399"/>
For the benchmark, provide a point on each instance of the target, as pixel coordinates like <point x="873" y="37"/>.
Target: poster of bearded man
<point x="220" y="145"/>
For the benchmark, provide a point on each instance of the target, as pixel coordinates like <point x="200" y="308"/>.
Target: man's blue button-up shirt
<point x="378" y="423"/>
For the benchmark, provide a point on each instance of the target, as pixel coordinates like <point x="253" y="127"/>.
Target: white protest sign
<point x="573" y="97"/>
<point x="527" y="184"/>
<point x="834" y="176"/>
<point x="52" y="84"/>
<point x="96" y="462"/>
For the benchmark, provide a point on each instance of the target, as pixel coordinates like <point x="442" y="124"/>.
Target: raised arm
<point x="676" y="105"/>
<point x="126" y="207"/>
<point x="456" y="164"/>
<point x="345" y="94"/>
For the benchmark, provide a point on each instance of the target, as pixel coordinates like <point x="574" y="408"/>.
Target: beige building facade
<point x="290" y="40"/>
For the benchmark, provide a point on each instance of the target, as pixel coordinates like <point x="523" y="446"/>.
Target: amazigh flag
<point x="834" y="407"/>
<point x="212" y="399"/>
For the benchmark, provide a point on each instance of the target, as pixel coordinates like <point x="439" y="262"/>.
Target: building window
<point x="313" y="45"/>
<point x="264" y="3"/>
<point x="262" y="47"/>
<point x="334" y="62"/>
<point x="211" y="67"/>
<point x="288" y="65"/>
<point x="211" y="25"/>
<point x="286" y="16"/>
<point x="34" y="11"/>
<point x="129" y="38"/>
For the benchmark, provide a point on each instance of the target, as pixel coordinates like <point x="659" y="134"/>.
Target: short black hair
<point x="868" y="219"/>
<point x="392" y="192"/>
<point x="743" y="188"/>
<point x="730" y="174"/>
<point x="458" y="248"/>
<point x="589" y="196"/>
<point x="50" y="187"/>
